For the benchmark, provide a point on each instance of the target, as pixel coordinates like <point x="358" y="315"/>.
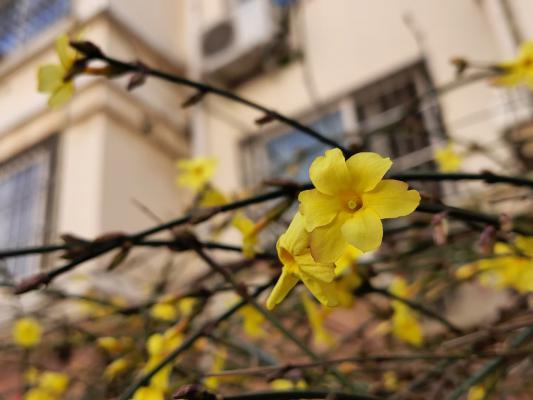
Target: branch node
<point x="194" y="392"/>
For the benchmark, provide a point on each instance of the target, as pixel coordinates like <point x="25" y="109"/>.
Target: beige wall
<point x="353" y="42"/>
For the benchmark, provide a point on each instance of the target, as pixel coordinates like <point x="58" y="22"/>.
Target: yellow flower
<point x="115" y="345"/>
<point x="447" y="159"/>
<point x="195" y="173"/>
<point x="164" y="311"/>
<point x="149" y="393"/>
<point x="288" y="384"/>
<point x="405" y="325"/>
<point x="294" y="253"/>
<point x="249" y="234"/>
<point x="116" y="368"/>
<point x="349" y="202"/>
<point x="252" y="321"/>
<point x="507" y="270"/>
<point x="213" y="197"/>
<point x="51" y="77"/>
<point x="390" y="381"/>
<point x="31" y="376"/>
<point x="212" y="382"/>
<point x="27" y="332"/>
<point x="316" y="318"/>
<point x="347" y="259"/>
<point x="519" y="70"/>
<point x="38" y="393"/>
<point x="476" y="392"/>
<point x="466" y="271"/>
<point x="53" y="382"/>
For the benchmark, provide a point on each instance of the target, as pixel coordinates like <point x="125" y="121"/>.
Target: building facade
<point x="349" y="68"/>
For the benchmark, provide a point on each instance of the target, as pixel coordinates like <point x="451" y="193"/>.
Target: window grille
<point x="383" y="127"/>
<point x="25" y="188"/>
<point x="20" y="20"/>
<point x="288" y="154"/>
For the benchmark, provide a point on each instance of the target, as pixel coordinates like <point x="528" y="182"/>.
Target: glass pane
<point x="291" y="154"/>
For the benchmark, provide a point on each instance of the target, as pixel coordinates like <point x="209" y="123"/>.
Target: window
<point x="20" y="20"/>
<point x="380" y="110"/>
<point x="288" y="154"/>
<point x="25" y="189"/>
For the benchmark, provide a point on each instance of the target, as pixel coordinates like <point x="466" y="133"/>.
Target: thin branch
<point x="205" y="88"/>
<point x="300" y="394"/>
<point x="367" y="359"/>
<point x="490" y="366"/>
<point x="201" y="331"/>
<point x="420" y="308"/>
<point x="268" y="315"/>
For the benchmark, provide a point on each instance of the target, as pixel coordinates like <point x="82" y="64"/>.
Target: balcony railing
<point x="21" y="20"/>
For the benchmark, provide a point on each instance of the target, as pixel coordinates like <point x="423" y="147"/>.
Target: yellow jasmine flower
<point x="466" y="271"/>
<point x="53" y="79"/>
<point x="288" y="384"/>
<point x="53" y="382"/>
<point x="347" y="259"/>
<point x="505" y="270"/>
<point x="212" y="382"/>
<point x="27" y="332"/>
<point x="447" y="158"/>
<point x="349" y="202"/>
<point x="164" y="311"/>
<point x="390" y="381"/>
<point x="476" y="392"/>
<point x="316" y="318"/>
<point x="149" y="393"/>
<point x="295" y="255"/>
<point x="38" y="393"/>
<point x="405" y="325"/>
<point x="115" y="345"/>
<point x="31" y="376"/>
<point x="346" y="285"/>
<point x="252" y="321"/>
<point x="249" y="234"/>
<point x="116" y="368"/>
<point x="186" y="306"/>
<point x="519" y="70"/>
<point x="195" y="173"/>
<point x="213" y="197"/>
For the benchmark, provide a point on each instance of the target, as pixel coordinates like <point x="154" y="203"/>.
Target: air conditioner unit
<point x="234" y="47"/>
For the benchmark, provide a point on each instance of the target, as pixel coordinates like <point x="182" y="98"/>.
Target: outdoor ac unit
<point x="233" y="47"/>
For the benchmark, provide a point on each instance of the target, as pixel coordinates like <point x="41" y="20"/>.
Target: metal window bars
<point x="20" y="20"/>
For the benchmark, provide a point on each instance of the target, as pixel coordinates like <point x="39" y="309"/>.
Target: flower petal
<point x="49" y="77"/>
<point x="66" y="54"/>
<point x="366" y="170"/>
<point x="363" y="230"/>
<point x="327" y="243"/>
<point x="324" y="272"/>
<point x="324" y="292"/>
<point x="317" y="209"/>
<point x="391" y="199"/>
<point x="329" y="173"/>
<point x="283" y="286"/>
<point x="295" y="239"/>
<point x="61" y="95"/>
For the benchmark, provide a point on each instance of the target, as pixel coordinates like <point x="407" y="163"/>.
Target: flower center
<point x="352" y="204"/>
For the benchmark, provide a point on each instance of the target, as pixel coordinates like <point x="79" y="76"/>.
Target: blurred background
<point x="351" y="69"/>
<point x="346" y="67"/>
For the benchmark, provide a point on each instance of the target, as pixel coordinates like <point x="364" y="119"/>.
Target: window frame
<point x="50" y="145"/>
